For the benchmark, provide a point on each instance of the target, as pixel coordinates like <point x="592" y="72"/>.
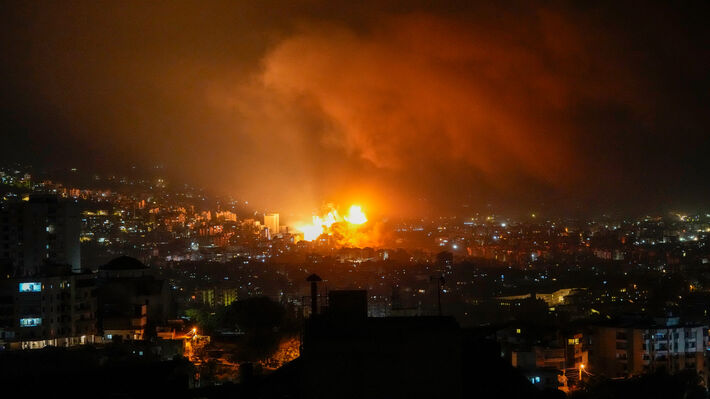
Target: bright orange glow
<point x="333" y="223"/>
<point x="289" y="349"/>
<point x="356" y="215"/>
<point x="311" y="231"/>
<point x="319" y="225"/>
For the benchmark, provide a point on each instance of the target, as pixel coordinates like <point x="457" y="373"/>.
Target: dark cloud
<point x="405" y="106"/>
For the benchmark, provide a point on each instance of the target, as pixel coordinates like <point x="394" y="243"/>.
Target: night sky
<point x="406" y="107"/>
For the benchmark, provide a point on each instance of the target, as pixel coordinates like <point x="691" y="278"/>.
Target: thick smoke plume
<point x="404" y="107"/>
<point x="428" y="108"/>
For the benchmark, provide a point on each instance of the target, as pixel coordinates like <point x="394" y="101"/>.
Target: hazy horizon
<point x="407" y="108"/>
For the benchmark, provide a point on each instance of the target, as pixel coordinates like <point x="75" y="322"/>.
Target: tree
<point x="261" y="320"/>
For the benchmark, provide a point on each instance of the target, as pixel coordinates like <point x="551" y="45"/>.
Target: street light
<point x="581" y="367"/>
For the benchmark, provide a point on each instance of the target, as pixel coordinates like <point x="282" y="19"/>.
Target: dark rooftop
<point x="124" y="263"/>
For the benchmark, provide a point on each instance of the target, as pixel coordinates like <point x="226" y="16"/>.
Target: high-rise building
<point x="52" y="308"/>
<point x="271" y="222"/>
<point x="42" y="230"/>
<point x="638" y="348"/>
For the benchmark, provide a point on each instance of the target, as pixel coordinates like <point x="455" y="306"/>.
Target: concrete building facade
<point x="42" y="229"/>
<point x="629" y="350"/>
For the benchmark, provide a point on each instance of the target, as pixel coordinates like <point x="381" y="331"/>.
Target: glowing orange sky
<point x="405" y="107"/>
<point x="427" y="97"/>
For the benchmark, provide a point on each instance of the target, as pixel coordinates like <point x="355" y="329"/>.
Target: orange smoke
<point x="429" y="110"/>
<point x="426" y="88"/>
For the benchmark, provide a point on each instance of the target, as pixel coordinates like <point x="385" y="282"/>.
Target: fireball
<point x="311" y="231"/>
<point x="356" y="215"/>
<point x="327" y="223"/>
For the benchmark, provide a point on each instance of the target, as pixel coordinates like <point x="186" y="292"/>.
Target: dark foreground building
<point x="131" y="300"/>
<point x="42" y="229"/>
<point x="346" y="354"/>
<point x="54" y="307"/>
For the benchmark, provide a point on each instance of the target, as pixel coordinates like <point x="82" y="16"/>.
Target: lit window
<point x="31" y="322"/>
<point x="30" y="287"/>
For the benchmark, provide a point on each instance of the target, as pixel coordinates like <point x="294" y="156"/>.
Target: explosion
<point x="343" y="228"/>
<point x="356" y="215"/>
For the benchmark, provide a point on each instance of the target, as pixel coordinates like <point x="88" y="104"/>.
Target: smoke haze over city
<point x="406" y="107"/>
<point x="333" y="199"/>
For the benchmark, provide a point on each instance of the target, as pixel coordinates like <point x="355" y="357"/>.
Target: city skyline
<point x="332" y="199"/>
